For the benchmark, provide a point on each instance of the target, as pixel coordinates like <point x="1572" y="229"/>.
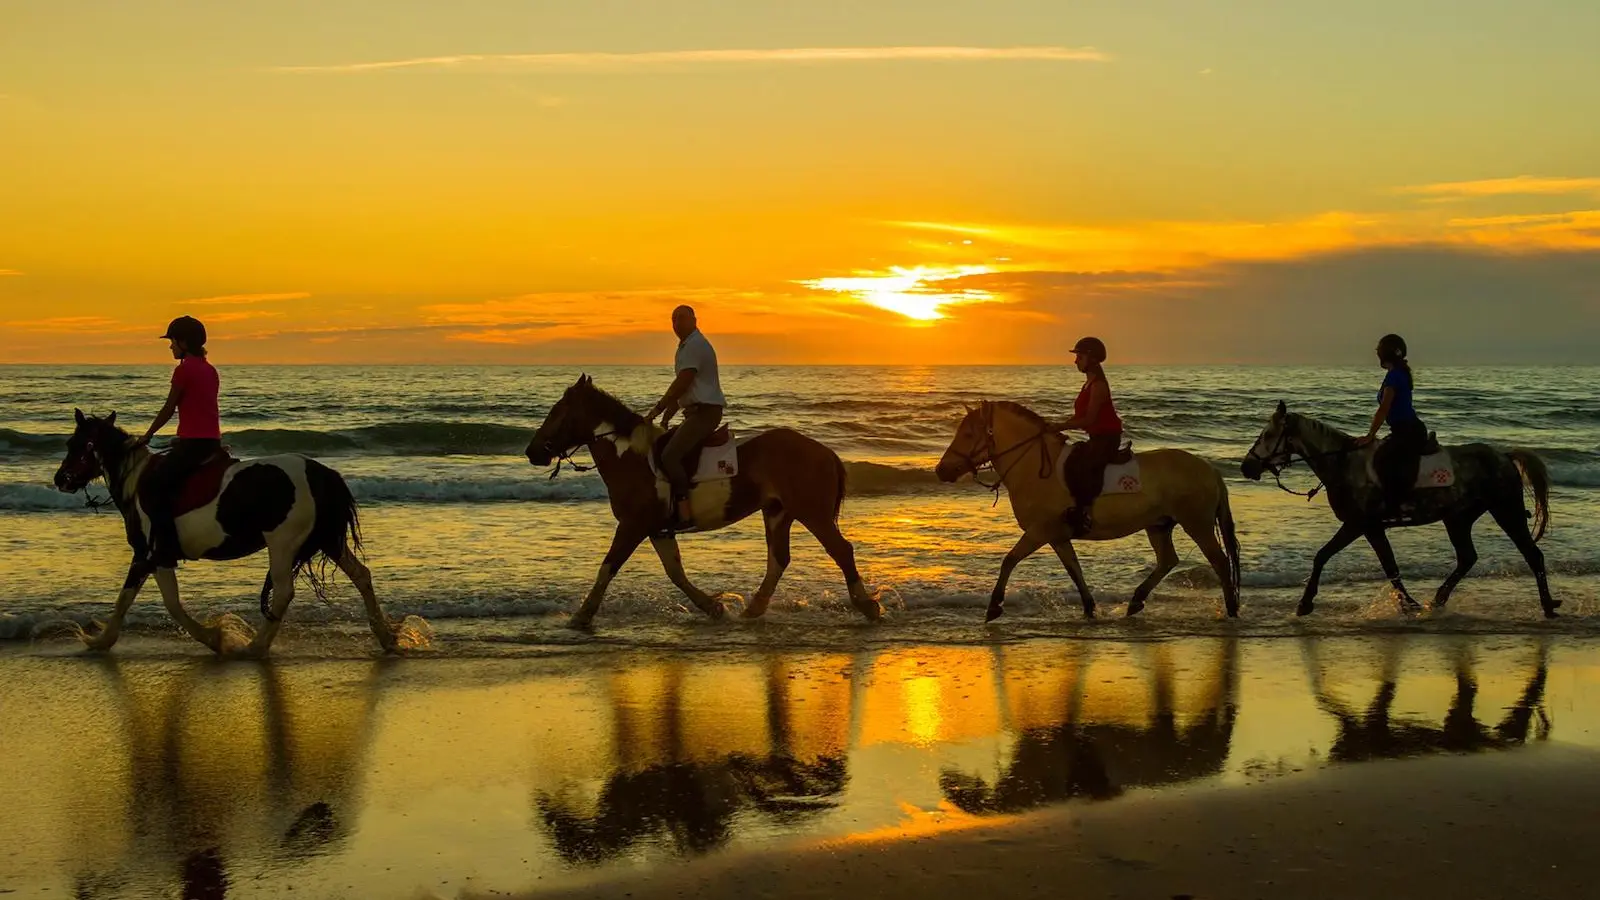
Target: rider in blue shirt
<point x="1399" y="457"/>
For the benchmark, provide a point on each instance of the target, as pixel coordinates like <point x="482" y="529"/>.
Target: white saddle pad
<point x="1438" y="470"/>
<point x="1121" y="478"/>
<point x="718" y="462"/>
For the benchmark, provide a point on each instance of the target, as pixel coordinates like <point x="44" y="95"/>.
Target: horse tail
<point x="1230" y="537"/>
<point x="337" y="525"/>
<point x="1537" y="478"/>
<point x="838" y="499"/>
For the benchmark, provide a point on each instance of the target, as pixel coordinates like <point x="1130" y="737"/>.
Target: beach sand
<point x="1521" y="825"/>
<point x="1212" y="767"/>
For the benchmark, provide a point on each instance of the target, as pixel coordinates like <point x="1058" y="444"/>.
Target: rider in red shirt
<point x="194" y="398"/>
<point x="1095" y="415"/>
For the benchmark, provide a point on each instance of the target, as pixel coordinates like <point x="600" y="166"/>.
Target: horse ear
<point x="79" y="413"/>
<point x="1283" y="409"/>
<point x="966" y="407"/>
<point x="112" y="419"/>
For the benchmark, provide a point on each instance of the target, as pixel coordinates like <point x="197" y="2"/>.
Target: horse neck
<point x="1320" y="445"/>
<point x="616" y="448"/>
<point x="1019" y="468"/>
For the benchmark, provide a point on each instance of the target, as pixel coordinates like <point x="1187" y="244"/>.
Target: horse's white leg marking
<point x="672" y="561"/>
<point x="210" y="635"/>
<point x="361" y="577"/>
<point x="778" y="524"/>
<point x="138" y="571"/>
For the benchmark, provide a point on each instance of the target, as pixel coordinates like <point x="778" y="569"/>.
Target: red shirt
<point x="196" y="382"/>
<point x="1108" y="422"/>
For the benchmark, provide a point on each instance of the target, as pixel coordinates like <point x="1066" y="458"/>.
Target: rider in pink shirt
<point x="194" y="398"/>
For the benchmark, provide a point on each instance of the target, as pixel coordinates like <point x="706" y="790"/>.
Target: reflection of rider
<point x="1399" y="457"/>
<point x="194" y="398"/>
<point x="699" y="392"/>
<point x="1094" y="414"/>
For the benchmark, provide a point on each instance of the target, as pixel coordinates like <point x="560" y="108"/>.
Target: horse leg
<point x="623" y="543"/>
<point x="1460" y="531"/>
<point x="210" y="635"/>
<point x="1206" y="539"/>
<point x="361" y="577"/>
<point x="826" y="531"/>
<point x="778" y="522"/>
<point x="1380" y="545"/>
<point x="1068" y="555"/>
<point x="667" y="548"/>
<point x="1166" y="558"/>
<point x="1341" y="539"/>
<point x="1025" y="546"/>
<point x="1514" y="522"/>
<point x="280" y="569"/>
<point x="138" y="571"/>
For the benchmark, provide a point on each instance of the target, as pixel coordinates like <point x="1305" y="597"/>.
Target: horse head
<point x="93" y="450"/>
<point x="972" y="445"/>
<point x="570" y="423"/>
<point x="1272" y="451"/>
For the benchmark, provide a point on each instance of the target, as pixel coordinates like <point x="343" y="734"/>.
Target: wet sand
<point x="1462" y="827"/>
<point x="158" y="771"/>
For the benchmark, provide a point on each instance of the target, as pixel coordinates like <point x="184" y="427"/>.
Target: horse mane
<point x="611" y="409"/>
<point x="1029" y="415"/>
<point x="1328" y="432"/>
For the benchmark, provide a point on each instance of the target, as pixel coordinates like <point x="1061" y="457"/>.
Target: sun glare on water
<point x="912" y="292"/>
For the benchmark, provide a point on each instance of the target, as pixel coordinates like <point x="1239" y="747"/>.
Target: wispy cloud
<point x="242" y="299"/>
<point x="5" y="272"/>
<point x="584" y="62"/>
<point x="70" y="323"/>
<point x="1520" y="185"/>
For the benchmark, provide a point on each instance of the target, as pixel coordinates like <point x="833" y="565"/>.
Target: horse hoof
<point x="1550" y="613"/>
<point x="753" y="612"/>
<point x="1134" y="608"/>
<point x="577" y="623"/>
<point x="1304" y="609"/>
<point x="994" y="612"/>
<point x="1089" y="614"/>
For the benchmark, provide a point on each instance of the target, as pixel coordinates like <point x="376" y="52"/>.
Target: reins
<point x="1046" y="464"/>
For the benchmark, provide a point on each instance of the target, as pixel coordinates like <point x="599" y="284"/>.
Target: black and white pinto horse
<point x="293" y="507"/>
<point x="1487" y="480"/>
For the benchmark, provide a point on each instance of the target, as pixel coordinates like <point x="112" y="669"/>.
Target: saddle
<point x="691" y="460"/>
<point x="200" y="488"/>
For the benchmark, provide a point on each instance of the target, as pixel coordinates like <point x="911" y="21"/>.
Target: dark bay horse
<point x="1487" y="480"/>
<point x="1178" y="489"/>
<point x="787" y="476"/>
<point x="293" y="507"/>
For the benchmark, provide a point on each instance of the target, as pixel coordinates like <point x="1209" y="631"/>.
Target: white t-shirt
<point x="694" y="352"/>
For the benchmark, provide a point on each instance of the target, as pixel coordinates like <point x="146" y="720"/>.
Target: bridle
<point x="565" y="456"/>
<point x="1284" y="450"/>
<point x="993" y="455"/>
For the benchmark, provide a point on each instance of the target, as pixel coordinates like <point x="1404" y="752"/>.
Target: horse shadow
<point x="671" y="792"/>
<point x="1087" y="755"/>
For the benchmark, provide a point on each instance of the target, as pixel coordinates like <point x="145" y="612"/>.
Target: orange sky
<point x="945" y="181"/>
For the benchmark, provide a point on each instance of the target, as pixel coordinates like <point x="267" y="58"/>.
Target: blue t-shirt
<point x="1401" y="410"/>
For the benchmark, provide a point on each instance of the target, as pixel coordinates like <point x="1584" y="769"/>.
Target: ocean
<point x="463" y="532"/>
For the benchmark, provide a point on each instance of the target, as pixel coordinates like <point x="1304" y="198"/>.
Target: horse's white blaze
<point x="623" y="442"/>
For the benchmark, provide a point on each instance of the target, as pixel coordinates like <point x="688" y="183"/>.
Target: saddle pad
<point x="1437" y="470"/>
<point x="721" y="461"/>
<point x="1121" y="478"/>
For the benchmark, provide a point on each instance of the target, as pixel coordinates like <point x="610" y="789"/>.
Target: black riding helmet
<point x="1092" y="347"/>
<point x="1391" y="348"/>
<point x="187" y="329"/>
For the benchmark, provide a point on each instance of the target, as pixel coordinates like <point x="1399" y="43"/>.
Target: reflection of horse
<point x="1376" y="733"/>
<point x="691" y="800"/>
<point x="199" y="789"/>
<point x="1082" y="757"/>
<point x="1179" y="490"/>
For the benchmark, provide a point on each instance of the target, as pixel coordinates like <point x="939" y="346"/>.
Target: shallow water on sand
<point x="157" y="770"/>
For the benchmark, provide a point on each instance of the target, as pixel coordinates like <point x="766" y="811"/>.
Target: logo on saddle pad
<point x="201" y="487"/>
<point x="716" y="459"/>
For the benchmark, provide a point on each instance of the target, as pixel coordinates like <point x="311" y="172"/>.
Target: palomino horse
<point x="1486" y="481"/>
<point x="783" y="473"/>
<point x="1179" y="489"/>
<point x="294" y="507"/>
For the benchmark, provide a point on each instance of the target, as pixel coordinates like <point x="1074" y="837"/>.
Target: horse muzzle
<point x="1252" y="468"/>
<point x="949" y="470"/>
<point x="540" y="454"/>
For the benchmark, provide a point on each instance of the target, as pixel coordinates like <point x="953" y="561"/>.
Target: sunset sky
<point x="514" y="181"/>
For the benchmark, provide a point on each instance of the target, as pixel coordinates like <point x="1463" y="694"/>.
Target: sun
<point x="912" y="292"/>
